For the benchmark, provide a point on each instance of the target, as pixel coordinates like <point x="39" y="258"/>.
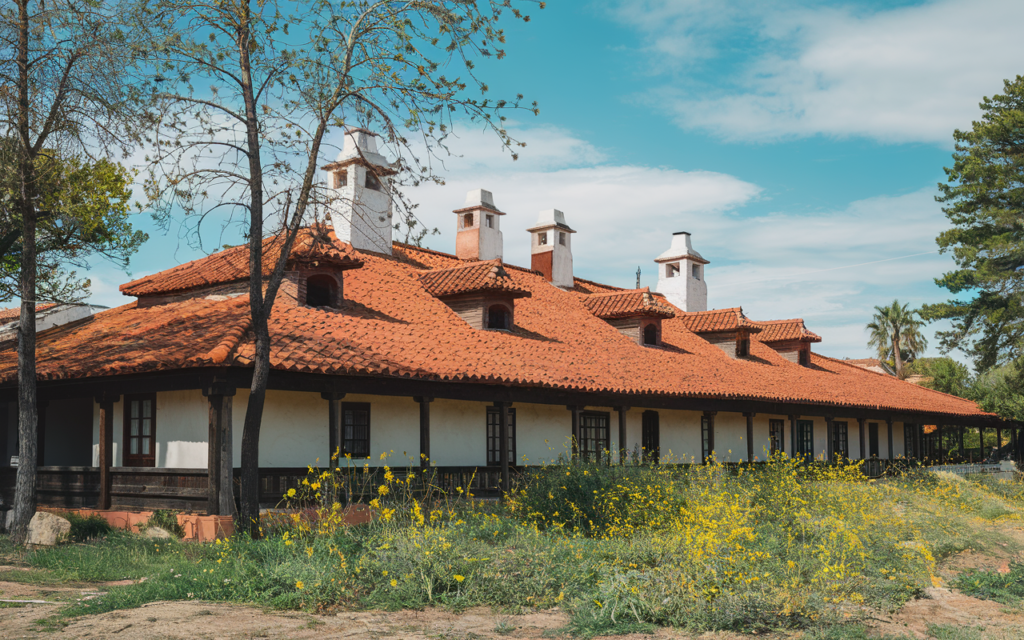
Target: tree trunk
<point x="249" y="513"/>
<point x="897" y="358"/>
<point x="25" y="493"/>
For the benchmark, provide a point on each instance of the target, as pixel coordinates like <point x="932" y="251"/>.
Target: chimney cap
<point x="549" y="218"/>
<point x="681" y="249"/>
<point x="479" y="199"/>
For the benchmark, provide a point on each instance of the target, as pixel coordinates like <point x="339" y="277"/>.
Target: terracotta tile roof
<point x="474" y="277"/>
<point x="13" y="313"/>
<point x="624" y="304"/>
<point x="785" y="330"/>
<point x="393" y="326"/>
<point x="719" y="320"/>
<point x="232" y="265"/>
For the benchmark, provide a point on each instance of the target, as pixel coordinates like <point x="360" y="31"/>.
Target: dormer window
<point x="321" y="291"/>
<point x="672" y="270"/>
<point x="742" y="347"/>
<point x="499" y="317"/>
<point x="467" y="221"/>
<point x="651" y="335"/>
<point x="696" y="272"/>
<point x="542" y="238"/>
<point x="805" y="357"/>
<point x="372" y="182"/>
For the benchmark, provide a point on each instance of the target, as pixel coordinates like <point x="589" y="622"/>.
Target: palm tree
<point x="896" y="332"/>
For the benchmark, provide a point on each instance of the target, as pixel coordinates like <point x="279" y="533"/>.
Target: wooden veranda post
<point x="334" y="436"/>
<point x="424" y="402"/>
<point x="575" y="411"/>
<point x="710" y="415"/>
<point x="220" y="463"/>
<point x="960" y="442"/>
<point x="622" y="433"/>
<point x="888" y="433"/>
<point x="750" y="435"/>
<point x="792" y="435"/>
<point x="106" y="402"/>
<point x="503" y="446"/>
<point x="830" y="432"/>
<point x="861" y="426"/>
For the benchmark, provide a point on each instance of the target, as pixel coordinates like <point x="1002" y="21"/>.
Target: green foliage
<point x="1007" y="588"/>
<point x="88" y="528"/>
<point x="166" y="519"/>
<point x="984" y="201"/>
<point x="1001" y="390"/>
<point x="896" y="334"/>
<point x="947" y="375"/>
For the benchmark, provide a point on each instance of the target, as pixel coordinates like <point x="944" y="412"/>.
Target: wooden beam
<point x="750" y="435"/>
<point x="575" y="412"/>
<point x="888" y="427"/>
<point x="710" y="415"/>
<point x="830" y="451"/>
<point x="220" y="463"/>
<point x="106" y="461"/>
<point x="424" y="402"/>
<point x="862" y="426"/>
<point x="41" y="433"/>
<point x="792" y="435"/>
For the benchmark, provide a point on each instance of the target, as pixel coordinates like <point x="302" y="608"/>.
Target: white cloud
<point x="907" y="74"/>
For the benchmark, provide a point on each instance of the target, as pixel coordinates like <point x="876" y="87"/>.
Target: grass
<point x="622" y="550"/>
<point x="1005" y="588"/>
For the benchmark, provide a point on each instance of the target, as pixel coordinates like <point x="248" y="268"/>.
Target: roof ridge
<point x="888" y="377"/>
<point x="465" y="265"/>
<point x="615" y="293"/>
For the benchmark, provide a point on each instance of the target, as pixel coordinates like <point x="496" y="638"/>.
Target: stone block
<point x="47" y="529"/>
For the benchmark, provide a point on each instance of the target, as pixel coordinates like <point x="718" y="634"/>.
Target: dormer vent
<point x="727" y="329"/>
<point x="551" y="249"/>
<point x="681" y="275"/>
<point x="479" y="233"/>
<point x="361" y="211"/>
<point x="790" y="338"/>
<point x="481" y="293"/>
<point x="635" y="313"/>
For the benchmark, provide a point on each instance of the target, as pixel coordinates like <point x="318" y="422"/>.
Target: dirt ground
<point x="208" y="621"/>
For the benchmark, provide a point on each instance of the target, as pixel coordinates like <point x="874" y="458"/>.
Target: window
<point x="467" y="221"/>
<point x="494" y="433"/>
<point x="320" y="291"/>
<point x="873" y="439"/>
<point x="672" y="270"/>
<point x="805" y="357"/>
<point x="696" y="272"/>
<point x="561" y="238"/>
<point x="840" y="439"/>
<point x="650" y="437"/>
<point x="776" y="429"/>
<point x="805" y="438"/>
<point x="355" y="429"/>
<point x="742" y="347"/>
<point x="593" y="435"/>
<point x="706" y="444"/>
<point x="340" y="178"/>
<point x="372" y="182"/>
<point x="490" y="221"/>
<point x="140" y="431"/>
<point x="499" y="317"/>
<point x="651" y="334"/>
<point x="542" y="238"/>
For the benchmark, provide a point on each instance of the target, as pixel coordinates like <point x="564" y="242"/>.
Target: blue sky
<point x="799" y="142"/>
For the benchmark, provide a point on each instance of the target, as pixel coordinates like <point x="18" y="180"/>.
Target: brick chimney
<point x="361" y="180"/>
<point x="551" y="248"/>
<point x="479" y="225"/>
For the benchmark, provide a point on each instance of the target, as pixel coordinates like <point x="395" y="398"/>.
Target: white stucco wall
<point x="182" y="429"/>
<point x="293" y="432"/>
<point x="683" y="290"/>
<point x="561" y="255"/>
<point x="362" y="216"/>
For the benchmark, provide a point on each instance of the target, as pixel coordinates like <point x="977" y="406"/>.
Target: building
<point x="425" y="356"/>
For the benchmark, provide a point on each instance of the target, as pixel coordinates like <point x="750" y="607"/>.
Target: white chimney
<point x="681" y="275"/>
<point x="362" y="209"/>
<point x="551" y="248"/>
<point x="479" y="228"/>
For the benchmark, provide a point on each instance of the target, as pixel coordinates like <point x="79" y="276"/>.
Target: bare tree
<point x="250" y="95"/>
<point x="62" y="93"/>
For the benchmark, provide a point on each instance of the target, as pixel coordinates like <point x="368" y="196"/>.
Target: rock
<point x="158" y="533"/>
<point x="47" y="529"/>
